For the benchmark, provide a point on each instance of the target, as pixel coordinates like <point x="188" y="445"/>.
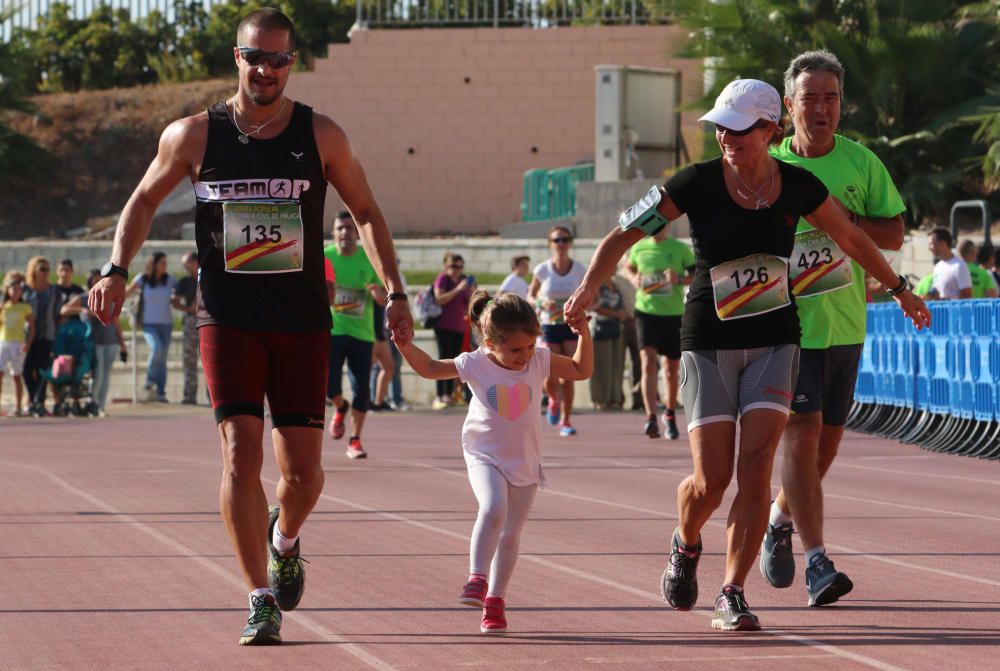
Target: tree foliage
<point x="915" y="84"/>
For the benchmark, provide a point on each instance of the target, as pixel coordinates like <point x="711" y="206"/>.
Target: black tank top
<point x="275" y="277"/>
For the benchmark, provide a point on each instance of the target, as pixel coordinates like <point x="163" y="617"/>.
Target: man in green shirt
<point x="658" y="267"/>
<point x="983" y="285"/>
<point x="830" y="294"/>
<point x="353" y="334"/>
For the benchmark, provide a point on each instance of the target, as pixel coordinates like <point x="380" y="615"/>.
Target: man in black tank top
<point x="260" y="164"/>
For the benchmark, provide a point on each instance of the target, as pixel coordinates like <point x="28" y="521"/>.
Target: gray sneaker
<point x="824" y="583"/>
<point x="777" y="562"/>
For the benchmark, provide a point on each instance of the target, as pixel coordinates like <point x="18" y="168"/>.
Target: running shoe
<point x="285" y="574"/>
<point x="732" y="613"/>
<point x="652" y="428"/>
<point x="671" y="422"/>
<point x="354" y="449"/>
<point x="337" y="423"/>
<point x="777" y="561"/>
<point x="474" y="592"/>
<point x="553" y="412"/>
<point x="264" y="624"/>
<point x="566" y="431"/>
<point x="438" y="404"/>
<point x="824" y="583"/>
<point x="494" y="621"/>
<point x="679" y="584"/>
<point x="401" y="406"/>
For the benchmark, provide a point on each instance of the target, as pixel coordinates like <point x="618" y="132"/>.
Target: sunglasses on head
<point x="740" y="133"/>
<point x="561" y="240"/>
<point x="275" y="59"/>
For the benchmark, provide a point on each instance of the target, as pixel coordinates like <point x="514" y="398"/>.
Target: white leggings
<point x="503" y="509"/>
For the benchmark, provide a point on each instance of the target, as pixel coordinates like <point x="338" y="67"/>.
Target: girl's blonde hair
<point x="12" y="279"/>
<point x="495" y="318"/>
<point x="32" y="268"/>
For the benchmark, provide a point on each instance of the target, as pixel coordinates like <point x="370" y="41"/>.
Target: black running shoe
<point x="777" y="561"/>
<point x="679" y="584"/>
<point x="264" y="624"/>
<point x="825" y="583"/>
<point x="672" y="432"/>
<point x="652" y="428"/>
<point x="732" y="613"/>
<point x="285" y="573"/>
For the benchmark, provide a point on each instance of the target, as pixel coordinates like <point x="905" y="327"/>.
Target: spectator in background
<point x="17" y="330"/>
<point x="630" y="339"/>
<point x="109" y="343"/>
<point x="41" y="295"/>
<point x="155" y="288"/>
<point x="395" y="400"/>
<point x="452" y="290"/>
<point x="382" y="359"/>
<point x="951" y="276"/>
<point x="925" y="287"/>
<point x="65" y="290"/>
<point x="185" y="299"/>
<point x="609" y="350"/>
<point x="983" y="284"/>
<point x="514" y="283"/>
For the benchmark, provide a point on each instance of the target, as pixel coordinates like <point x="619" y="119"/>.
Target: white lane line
<point x="831" y="649"/>
<point x="940" y="476"/>
<point x="231" y="578"/>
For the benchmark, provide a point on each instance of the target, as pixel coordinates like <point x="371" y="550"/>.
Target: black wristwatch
<point x="904" y="284"/>
<point x="396" y="296"/>
<point x="109" y="269"/>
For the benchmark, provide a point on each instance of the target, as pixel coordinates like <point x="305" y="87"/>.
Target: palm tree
<point x="916" y="75"/>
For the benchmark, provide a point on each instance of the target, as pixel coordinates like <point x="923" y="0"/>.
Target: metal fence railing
<point x="502" y="13"/>
<point x="551" y="194"/>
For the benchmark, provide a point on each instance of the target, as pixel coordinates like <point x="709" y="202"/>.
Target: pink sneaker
<point x="474" y="592"/>
<point x="494" y="621"/>
<point x="337" y="423"/>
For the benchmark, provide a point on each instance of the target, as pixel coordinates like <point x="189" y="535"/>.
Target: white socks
<point x="814" y="552"/>
<point x="282" y="544"/>
<point x="778" y="516"/>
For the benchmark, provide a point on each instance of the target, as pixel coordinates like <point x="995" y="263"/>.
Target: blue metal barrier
<point x="938" y="388"/>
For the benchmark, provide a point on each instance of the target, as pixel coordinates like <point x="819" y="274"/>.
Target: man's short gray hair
<point x="820" y="60"/>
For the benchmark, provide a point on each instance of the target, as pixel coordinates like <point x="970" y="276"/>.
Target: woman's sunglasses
<point x="740" y="133"/>
<point x="561" y="241"/>
<point x="275" y="59"/>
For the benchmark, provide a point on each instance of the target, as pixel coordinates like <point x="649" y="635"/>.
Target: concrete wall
<point x="598" y="205"/>
<point x="446" y="121"/>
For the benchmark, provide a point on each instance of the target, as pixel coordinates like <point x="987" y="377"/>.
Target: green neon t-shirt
<point x="860" y="181"/>
<point x="353" y="307"/>
<point x="656" y="296"/>
<point x="924" y="285"/>
<point x="982" y="280"/>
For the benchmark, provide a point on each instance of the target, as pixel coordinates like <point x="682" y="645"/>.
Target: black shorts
<point x="661" y="332"/>
<point x="556" y="334"/>
<point x="243" y="367"/>
<point x="826" y="382"/>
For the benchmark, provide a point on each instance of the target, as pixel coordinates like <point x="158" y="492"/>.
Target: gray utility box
<point x="638" y="122"/>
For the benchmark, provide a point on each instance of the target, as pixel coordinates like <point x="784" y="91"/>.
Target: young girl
<point x="14" y="314"/>
<point x="501" y="435"/>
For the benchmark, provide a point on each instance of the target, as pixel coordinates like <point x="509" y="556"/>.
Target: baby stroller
<point x="70" y="374"/>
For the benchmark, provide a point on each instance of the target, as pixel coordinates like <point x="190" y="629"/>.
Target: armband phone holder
<point x="644" y="215"/>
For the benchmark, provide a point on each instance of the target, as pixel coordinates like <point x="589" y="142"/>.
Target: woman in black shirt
<point x="740" y="330"/>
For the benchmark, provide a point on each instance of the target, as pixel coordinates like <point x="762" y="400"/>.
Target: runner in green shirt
<point x="830" y="294"/>
<point x="353" y="334"/>
<point x="658" y="267"/>
<point x="983" y="285"/>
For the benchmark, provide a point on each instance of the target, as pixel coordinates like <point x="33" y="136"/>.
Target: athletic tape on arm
<point x="644" y="215"/>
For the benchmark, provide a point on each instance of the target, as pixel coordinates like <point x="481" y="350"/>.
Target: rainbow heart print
<point x="509" y="402"/>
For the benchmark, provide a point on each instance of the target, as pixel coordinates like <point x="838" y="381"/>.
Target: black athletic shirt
<point x="285" y="168"/>
<point x="723" y="231"/>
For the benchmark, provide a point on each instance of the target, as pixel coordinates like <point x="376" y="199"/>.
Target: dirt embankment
<point x="102" y="142"/>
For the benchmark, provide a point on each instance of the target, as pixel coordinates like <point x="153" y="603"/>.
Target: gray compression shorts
<point x="719" y="385"/>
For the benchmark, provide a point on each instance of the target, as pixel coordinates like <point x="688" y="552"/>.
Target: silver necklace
<point x="759" y="200"/>
<point x="244" y="137"/>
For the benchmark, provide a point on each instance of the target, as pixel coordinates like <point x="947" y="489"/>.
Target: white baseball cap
<point x="743" y="102"/>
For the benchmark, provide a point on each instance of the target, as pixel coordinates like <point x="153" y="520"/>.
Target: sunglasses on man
<point x="275" y="59"/>
<point x="561" y="241"/>
<point x="741" y="133"/>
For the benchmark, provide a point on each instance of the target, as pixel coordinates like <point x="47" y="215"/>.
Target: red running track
<point x="114" y="557"/>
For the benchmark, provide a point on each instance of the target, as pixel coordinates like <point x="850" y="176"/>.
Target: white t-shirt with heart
<point x="504" y="424"/>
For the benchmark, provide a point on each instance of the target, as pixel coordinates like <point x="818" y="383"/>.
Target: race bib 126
<point x="261" y="237"/>
<point x="750" y="286"/>
<point x="818" y="265"/>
